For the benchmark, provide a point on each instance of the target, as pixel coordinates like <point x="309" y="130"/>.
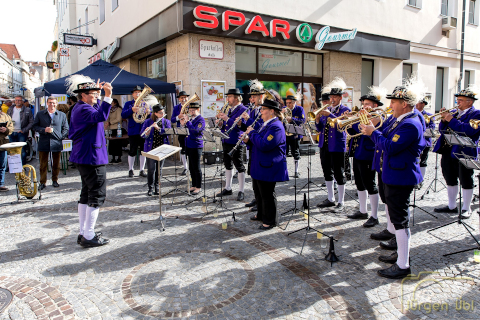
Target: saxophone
<point x="27" y="179"/>
<point x="144" y="110"/>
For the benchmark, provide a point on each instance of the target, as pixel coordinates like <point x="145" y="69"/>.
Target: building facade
<point x="290" y="46"/>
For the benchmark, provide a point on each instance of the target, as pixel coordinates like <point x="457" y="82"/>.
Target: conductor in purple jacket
<point x="269" y="162"/>
<point x="89" y="152"/>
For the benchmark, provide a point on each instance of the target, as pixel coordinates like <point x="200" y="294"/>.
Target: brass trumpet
<point x="312" y="114"/>
<point x="474" y="124"/>
<point x="428" y="119"/>
<point x="344" y="125"/>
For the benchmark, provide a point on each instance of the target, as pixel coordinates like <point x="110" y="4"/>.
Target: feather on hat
<point x="469" y="92"/>
<point x="376" y="94"/>
<point x="412" y="92"/>
<point x="256" y="87"/>
<point x="337" y="86"/>
<point x="78" y="82"/>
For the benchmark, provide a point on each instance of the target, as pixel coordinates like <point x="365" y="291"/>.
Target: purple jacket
<point x="337" y="141"/>
<point x="431" y="125"/>
<point x="127" y="113"/>
<point x="149" y="139"/>
<point x="236" y="132"/>
<point x="87" y="134"/>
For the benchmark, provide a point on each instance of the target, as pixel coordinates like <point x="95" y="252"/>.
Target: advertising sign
<point x="213" y="97"/>
<point x="78" y="40"/>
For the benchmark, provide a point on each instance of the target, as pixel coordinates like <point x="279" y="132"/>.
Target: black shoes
<point x="255" y="218"/>
<point x="97" y="241"/>
<point x="224" y="193"/>
<point x="150" y="192"/>
<point x="371" y="222"/>
<point x="251" y="203"/>
<point x="130" y="173"/>
<point x="241" y="196"/>
<point x="194" y="193"/>
<point x="389" y="245"/>
<point x="394" y="272"/>
<point x="79" y="238"/>
<point x="42" y="186"/>
<point x="266" y="228"/>
<point x="156" y="192"/>
<point x="384" y="235"/>
<point x="254" y="208"/>
<point x="339" y="208"/>
<point x="465" y="214"/>
<point x="326" y="204"/>
<point x="445" y="209"/>
<point x="184" y="172"/>
<point x="358" y="215"/>
<point x="142" y="173"/>
<point x="296" y="175"/>
<point x="55" y="184"/>
<point x="289" y="155"/>
<point x="390" y="258"/>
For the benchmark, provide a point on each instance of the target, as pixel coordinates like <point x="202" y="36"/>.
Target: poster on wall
<point x="347" y="97"/>
<point x="178" y="88"/>
<point x="213" y="97"/>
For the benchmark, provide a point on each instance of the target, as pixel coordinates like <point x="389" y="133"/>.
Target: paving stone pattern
<point x="197" y="269"/>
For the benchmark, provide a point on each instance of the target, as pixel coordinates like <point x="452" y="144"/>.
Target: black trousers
<point x="294" y="145"/>
<point x="424" y="157"/>
<point x="236" y="159"/>
<point x="381" y="188"/>
<point x="94" y="184"/>
<point x="452" y="171"/>
<point x="152" y="175"/>
<point x="333" y="165"/>
<point x="115" y="148"/>
<point x="136" y="143"/>
<point x="266" y="200"/>
<point x="364" y="176"/>
<point x="181" y="141"/>
<point x="194" y="155"/>
<point x="398" y="201"/>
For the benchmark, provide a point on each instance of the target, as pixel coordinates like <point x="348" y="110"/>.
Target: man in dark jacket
<point x="52" y="126"/>
<point x="22" y="118"/>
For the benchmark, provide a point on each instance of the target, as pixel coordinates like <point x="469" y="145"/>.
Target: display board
<point x="213" y="97"/>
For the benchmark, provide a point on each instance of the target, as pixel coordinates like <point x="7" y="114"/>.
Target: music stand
<point x="178" y="131"/>
<point x="453" y="138"/>
<point x="301" y="131"/>
<point x="431" y="133"/>
<point x="221" y="203"/>
<point x="158" y="154"/>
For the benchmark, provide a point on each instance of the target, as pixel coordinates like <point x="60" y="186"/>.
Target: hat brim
<point x="379" y="103"/>
<point x="462" y="95"/>
<point x="390" y="97"/>
<point x="279" y="108"/>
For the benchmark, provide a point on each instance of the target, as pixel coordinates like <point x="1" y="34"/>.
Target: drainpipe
<point x="462" y="50"/>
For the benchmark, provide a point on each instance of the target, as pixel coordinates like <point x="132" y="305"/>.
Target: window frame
<point x="476" y="13"/>
<point x="101" y="5"/>
<point x="118" y="4"/>
<point x="447" y="4"/>
<point x="373" y="73"/>
<point x="417" y="5"/>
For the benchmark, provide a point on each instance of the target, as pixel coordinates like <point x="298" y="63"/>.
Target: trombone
<point x="428" y="119"/>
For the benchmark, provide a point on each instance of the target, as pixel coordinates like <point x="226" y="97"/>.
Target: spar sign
<point x="79" y="40"/>
<point x="209" y="18"/>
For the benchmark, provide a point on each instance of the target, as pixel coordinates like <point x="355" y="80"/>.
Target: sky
<point x="29" y="25"/>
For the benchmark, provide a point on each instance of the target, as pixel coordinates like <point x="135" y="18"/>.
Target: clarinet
<point x="235" y="124"/>
<point x="243" y="136"/>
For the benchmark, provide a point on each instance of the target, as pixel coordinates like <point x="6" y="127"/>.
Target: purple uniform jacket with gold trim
<point x="236" y="131"/>
<point x="87" y="133"/>
<point x="127" y="113"/>
<point x="337" y="141"/>
<point x="195" y="130"/>
<point x="431" y="125"/>
<point x="377" y="154"/>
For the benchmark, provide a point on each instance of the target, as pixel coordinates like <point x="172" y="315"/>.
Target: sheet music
<point x="162" y="152"/>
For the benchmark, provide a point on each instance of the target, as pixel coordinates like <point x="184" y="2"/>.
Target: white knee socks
<point x="82" y="211"/>
<point x="341" y="193"/>
<point x="423" y="170"/>
<point x="131" y="161"/>
<point x="241" y="182"/>
<point x="467" y="199"/>
<point x="362" y="200"/>
<point x="390" y="226"/>
<point x="452" y="192"/>
<point x="184" y="161"/>
<point x="296" y="166"/>
<point x="228" y="179"/>
<point x="403" y="243"/>
<point x="374" y="204"/>
<point x="90" y="220"/>
<point x="331" y="194"/>
<point x="142" y="162"/>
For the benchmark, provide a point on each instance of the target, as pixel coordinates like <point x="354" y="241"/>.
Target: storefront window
<point x="273" y="61"/>
<point x="245" y="59"/>
<point x="157" y="66"/>
<point x="312" y="65"/>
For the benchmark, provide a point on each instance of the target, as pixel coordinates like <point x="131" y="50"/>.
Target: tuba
<point x="141" y="115"/>
<point x="193" y="99"/>
<point x="27" y="179"/>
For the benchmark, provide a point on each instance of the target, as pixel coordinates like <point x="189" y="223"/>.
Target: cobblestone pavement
<point x="196" y="269"/>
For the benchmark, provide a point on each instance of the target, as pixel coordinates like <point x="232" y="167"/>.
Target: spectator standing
<point x="52" y="126"/>
<point x="6" y="104"/>
<point x="114" y="118"/>
<point x="22" y="119"/>
<point x="71" y="101"/>
<point x="6" y="128"/>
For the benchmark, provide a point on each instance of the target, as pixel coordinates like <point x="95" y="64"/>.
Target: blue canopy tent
<point x="105" y="71"/>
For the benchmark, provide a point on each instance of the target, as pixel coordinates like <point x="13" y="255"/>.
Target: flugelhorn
<point x="312" y="114"/>
<point x="428" y="119"/>
<point x="474" y="123"/>
<point x="363" y="118"/>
